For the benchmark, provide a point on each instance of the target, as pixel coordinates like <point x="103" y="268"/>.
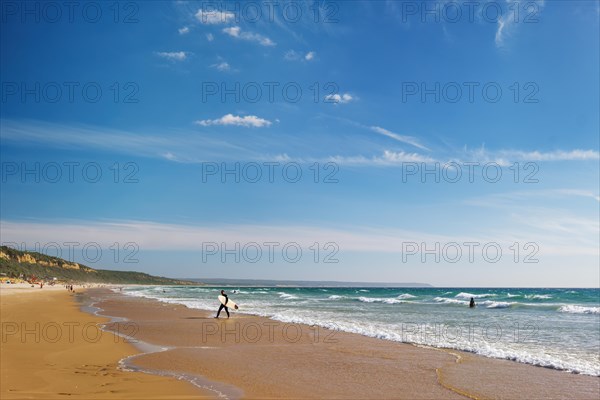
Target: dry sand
<point x="50" y="349"/>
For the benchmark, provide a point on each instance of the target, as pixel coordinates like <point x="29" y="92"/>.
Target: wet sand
<point x="50" y="349"/>
<point x="255" y="357"/>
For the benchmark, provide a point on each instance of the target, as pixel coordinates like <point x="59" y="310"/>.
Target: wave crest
<point x="571" y="309"/>
<point x="464" y="295"/>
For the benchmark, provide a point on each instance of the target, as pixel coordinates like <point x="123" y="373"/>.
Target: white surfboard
<point x="226" y="303"/>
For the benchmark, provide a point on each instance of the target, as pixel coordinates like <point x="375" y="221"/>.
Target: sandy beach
<point x="241" y="357"/>
<point x="51" y="349"/>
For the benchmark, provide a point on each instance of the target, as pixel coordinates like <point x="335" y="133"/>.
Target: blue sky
<point x="161" y="97"/>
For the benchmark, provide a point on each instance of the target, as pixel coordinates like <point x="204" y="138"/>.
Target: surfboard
<point x="229" y="304"/>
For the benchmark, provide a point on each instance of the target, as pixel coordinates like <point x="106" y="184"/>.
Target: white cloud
<point x="293" y="55"/>
<point x="508" y="22"/>
<point x="159" y="236"/>
<point x="339" y="99"/>
<point x="222" y="66"/>
<point x="508" y="157"/>
<point x="401" y="138"/>
<point x="210" y="37"/>
<point x="388" y="158"/>
<point x="510" y="199"/>
<point x="169" y="156"/>
<point x="214" y="17"/>
<point x="188" y="146"/>
<point x="154" y="236"/>
<point x="230" y="119"/>
<point x="173" y="55"/>
<point x="393" y="157"/>
<point x="184" y="30"/>
<point x="558" y="155"/>
<point x="500" y="32"/>
<point x="236" y="32"/>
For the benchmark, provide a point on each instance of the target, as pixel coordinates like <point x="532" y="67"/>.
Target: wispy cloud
<point x="222" y="66"/>
<point x="248" y="121"/>
<point x="210" y="37"/>
<point x="400" y="138"/>
<point x="293" y="55"/>
<point x="173" y="55"/>
<point x="507" y="22"/>
<point x="154" y="236"/>
<point x="558" y="155"/>
<point x="510" y="199"/>
<point x="170" y="156"/>
<point x="171" y="144"/>
<point x="184" y="30"/>
<point x="388" y="158"/>
<point x="160" y="236"/>
<point x="508" y="157"/>
<point x="192" y="145"/>
<point x="500" y="31"/>
<point x="543" y="214"/>
<point x="236" y="32"/>
<point x="343" y="98"/>
<point x="213" y="17"/>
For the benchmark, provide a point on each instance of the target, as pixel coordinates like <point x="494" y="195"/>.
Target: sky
<point x="451" y="143"/>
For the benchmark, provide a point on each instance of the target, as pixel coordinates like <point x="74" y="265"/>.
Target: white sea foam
<point x="450" y="301"/>
<point x="538" y="296"/>
<point x="572" y="309"/>
<point x="287" y="296"/>
<point x="512" y="295"/>
<point x="336" y="297"/>
<point x="379" y="300"/>
<point x="406" y="296"/>
<point x="496" y="304"/>
<point x="464" y="295"/>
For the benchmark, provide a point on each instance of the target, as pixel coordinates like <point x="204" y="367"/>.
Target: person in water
<point x="472" y="303"/>
<point x="223" y="305"/>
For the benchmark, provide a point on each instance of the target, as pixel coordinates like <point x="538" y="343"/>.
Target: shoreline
<point x="472" y="331"/>
<point x="220" y="390"/>
<point x="194" y="348"/>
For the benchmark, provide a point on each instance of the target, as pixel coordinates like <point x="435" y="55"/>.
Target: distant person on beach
<point x="472" y="303"/>
<point x="223" y="305"/>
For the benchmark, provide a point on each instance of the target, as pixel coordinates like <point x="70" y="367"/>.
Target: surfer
<point x="472" y="303"/>
<point x="223" y="305"/>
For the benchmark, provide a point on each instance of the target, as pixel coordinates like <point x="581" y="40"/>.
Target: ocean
<point x="554" y="328"/>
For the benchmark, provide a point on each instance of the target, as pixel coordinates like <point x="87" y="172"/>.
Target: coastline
<point x="51" y="349"/>
<point x="263" y="358"/>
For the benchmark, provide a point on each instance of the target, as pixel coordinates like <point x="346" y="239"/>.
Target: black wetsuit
<point x="224" y="307"/>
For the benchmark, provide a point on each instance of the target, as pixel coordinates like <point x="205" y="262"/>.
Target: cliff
<point x="17" y="263"/>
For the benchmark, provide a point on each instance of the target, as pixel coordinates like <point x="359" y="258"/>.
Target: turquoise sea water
<point x="556" y="328"/>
